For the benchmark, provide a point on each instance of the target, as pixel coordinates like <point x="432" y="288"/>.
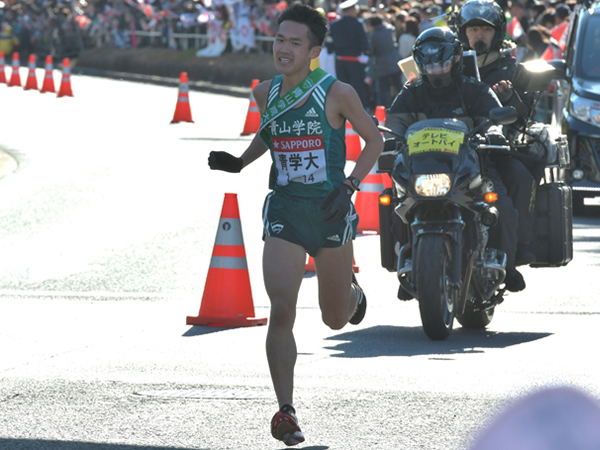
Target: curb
<point x="202" y="86"/>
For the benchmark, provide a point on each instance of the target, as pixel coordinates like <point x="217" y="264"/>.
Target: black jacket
<point x="504" y="68"/>
<point x="347" y="37"/>
<point x="469" y="101"/>
<point x="384" y="51"/>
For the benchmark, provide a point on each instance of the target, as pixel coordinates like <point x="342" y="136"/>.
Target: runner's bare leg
<point x="283" y="271"/>
<point x="336" y="297"/>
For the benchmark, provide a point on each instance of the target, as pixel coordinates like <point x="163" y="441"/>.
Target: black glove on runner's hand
<point x="338" y="202"/>
<point x="225" y="161"/>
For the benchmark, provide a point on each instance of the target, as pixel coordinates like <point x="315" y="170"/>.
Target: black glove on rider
<point x="338" y="202"/>
<point x="504" y="90"/>
<point x="225" y="161"/>
<point x="496" y="139"/>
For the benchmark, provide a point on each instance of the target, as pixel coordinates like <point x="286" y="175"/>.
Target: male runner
<point x="309" y="208"/>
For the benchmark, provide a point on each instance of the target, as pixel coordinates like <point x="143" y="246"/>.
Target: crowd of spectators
<point x="64" y="28"/>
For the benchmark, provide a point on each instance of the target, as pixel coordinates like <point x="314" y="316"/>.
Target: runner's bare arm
<point x="347" y="105"/>
<point x="257" y="147"/>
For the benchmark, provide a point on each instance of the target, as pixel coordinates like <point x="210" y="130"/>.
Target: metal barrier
<point x="179" y="41"/>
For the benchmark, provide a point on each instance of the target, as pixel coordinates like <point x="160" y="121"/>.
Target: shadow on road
<point x="412" y="341"/>
<point x="42" y="444"/>
<point x="199" y="330"/>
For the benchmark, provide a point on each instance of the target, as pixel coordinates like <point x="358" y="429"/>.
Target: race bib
<point x="299" y="159"/>
<point x="435" y="140"/>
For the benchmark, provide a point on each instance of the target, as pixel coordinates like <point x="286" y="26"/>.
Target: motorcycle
<point x="441" y="195"/>
<point x="439" y="247"/>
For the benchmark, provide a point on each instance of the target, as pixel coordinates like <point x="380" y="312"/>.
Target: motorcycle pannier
<point x="553" y="241"/>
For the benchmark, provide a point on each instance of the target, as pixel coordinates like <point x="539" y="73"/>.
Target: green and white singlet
<point x="308" y="154"/>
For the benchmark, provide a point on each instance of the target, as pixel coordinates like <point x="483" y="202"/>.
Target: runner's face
<point x="291" y="48"/>
<point x="483" y="33"/>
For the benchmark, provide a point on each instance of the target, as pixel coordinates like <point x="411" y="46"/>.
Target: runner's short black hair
<point x="313" y="19"/>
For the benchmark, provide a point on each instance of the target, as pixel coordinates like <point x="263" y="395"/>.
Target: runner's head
<point x="313" y="19"/>
<point x="481" y="25"/>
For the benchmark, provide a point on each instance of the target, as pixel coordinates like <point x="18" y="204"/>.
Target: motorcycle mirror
<point x="560" y="68"/>
<point x="536" y="75"/>
<point x="503" y="116"/>
<point x="387" y="130"/>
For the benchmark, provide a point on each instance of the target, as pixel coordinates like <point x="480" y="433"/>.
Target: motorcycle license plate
<point x="434" y="140"/>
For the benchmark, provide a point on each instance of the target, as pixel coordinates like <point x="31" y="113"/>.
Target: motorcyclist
<point x="443" y="92"/>
<point x="481" y="26"/>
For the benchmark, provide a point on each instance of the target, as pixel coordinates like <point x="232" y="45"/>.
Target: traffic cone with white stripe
<point x="183" y="112"/>
<point x="227" y="299"/>
<point x="353" y="147"/>
<point x="31" y="83"/>
<point x="15" y="77"/>
<point x="65" y="84"/>
<point x="380" y="116"/>
<point x="48" y="84"/>
<point x="2" y="72"/>
<point x="367" y="202"/>
<point x="253" y="117"/>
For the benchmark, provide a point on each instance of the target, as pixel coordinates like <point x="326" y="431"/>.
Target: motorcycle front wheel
<point x="436" y="296"/>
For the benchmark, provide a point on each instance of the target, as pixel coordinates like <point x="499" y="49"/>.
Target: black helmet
<point x="481" y="12"/>
<point x="438" y="56"/>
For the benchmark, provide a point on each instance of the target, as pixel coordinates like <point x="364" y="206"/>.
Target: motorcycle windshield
<point x="435" y="146"/>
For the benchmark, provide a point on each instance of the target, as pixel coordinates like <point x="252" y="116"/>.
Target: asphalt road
<point x="106" y="230"/>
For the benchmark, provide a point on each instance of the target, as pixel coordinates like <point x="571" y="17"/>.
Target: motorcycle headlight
<point x="433" y="185"/>
<point x="585" y="110"/>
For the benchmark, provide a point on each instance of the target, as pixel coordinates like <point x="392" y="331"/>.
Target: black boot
<point x="514" y="280"/>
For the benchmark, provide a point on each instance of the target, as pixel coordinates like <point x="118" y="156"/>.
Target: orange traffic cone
<point x="48" y="84"/>
<point x="310" y="265"/>
<point x="2" y="72"/>
<point x="15" y="77"/>
<point x="352" y="143"/>
<point x="367" y="202"/>
<point x="253" y="117"/>
<point x="31" y="83"/>
<point x="65" y="84"/>
<point x="380" y="115"/>
<point x="227" y="299"/>
<point x="183" y="112"/>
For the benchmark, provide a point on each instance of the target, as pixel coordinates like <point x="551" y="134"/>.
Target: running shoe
<point x="361" y="307"/>
<point x="284" y="426"/>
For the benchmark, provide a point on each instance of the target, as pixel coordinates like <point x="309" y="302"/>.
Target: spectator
<point x="348" y="40"/>
<point x="538" y="39"/>
<point x="408" y="38"/>
<point x="384" y="51"/>
<point x="547" y="18"/>
<point x="8" y="40"/>
<point x="399" y="22"/>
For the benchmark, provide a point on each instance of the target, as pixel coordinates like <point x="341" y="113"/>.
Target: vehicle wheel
<point x="436" y="297"/>
<point x="578" y="204"/>
<point x="476" y="320"/>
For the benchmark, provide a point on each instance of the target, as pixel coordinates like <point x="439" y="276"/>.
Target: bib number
<point x="299" y="159"/>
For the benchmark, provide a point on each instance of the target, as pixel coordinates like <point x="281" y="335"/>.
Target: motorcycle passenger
<point x="481" y="26"/>
<point x="443" y="92"/>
